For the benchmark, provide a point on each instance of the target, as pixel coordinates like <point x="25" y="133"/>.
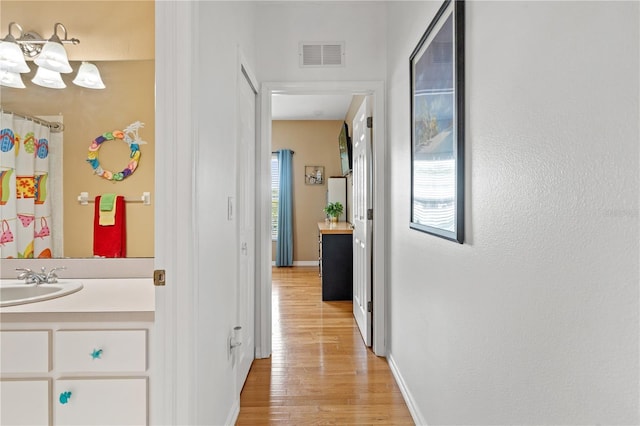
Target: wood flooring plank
<point x="320" y="372"/>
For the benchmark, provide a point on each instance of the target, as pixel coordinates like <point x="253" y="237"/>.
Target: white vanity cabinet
<point x="118" y="396"/>
<point x="100" y="401"/>
<point x="81" y="359"/>
<point x="74" y="373"/>
<point x="100" y="351"/>
<point x="24" y="402"/>
<point x="25" y="351"/>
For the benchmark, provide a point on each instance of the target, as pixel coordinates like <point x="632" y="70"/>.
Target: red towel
<point x="110" y="241"/>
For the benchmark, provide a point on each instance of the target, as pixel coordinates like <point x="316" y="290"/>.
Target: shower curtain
<point x="25" y="202"/>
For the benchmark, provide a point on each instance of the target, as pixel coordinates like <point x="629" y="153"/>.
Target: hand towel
<point x="110" y="241"/>
<point x="107" y="201"/>
<point x="107" y="217"/>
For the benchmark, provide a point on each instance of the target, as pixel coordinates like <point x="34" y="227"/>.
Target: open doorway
<point x="309" y="126"/>
<point x="374" y="92"/>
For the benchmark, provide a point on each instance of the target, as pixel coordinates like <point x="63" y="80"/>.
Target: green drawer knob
<point x="96" y="354"/>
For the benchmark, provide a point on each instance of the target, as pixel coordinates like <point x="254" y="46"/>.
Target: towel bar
<point x="145" y="199"/>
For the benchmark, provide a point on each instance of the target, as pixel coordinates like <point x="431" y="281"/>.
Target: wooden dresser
<point x="335" y="250"/>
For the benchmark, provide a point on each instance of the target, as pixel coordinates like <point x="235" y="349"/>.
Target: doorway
<point x="375" y="90"/>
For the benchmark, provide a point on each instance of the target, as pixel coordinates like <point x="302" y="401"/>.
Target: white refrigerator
<point x="337" y="191"/>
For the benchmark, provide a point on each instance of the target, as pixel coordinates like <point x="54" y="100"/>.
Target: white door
<point x="244" y="353"/>
<point x="361" y="224"/>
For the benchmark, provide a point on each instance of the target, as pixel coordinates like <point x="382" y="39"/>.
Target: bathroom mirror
<point x="118" y="37"/>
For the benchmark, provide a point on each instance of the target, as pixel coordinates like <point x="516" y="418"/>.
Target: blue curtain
<point x="284" y="244"/>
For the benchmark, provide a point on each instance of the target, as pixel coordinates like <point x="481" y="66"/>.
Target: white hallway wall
<point x="281" y="26"/>
<point x="534" y="320"/>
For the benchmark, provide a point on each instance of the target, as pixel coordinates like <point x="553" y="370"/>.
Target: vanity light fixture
<point x="50" y="56"/>
<point x="53" y="56"/>
<point x="47" y="78"/>
<point x="11" y="79"/>
<point x="88" y="76"/>
<point x="11" y="57"/>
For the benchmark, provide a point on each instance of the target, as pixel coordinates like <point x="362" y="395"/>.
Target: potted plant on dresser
<point x="334" y="210"/>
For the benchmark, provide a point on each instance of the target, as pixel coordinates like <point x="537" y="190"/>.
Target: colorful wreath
<point x="130" y="136"/>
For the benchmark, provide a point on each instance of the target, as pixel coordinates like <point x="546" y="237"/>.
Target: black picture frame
<point x="437" y="126"/>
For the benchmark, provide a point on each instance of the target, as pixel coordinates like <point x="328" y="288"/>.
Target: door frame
<point x="173" y="390"/>
<point x="244" y="71"/>
<point x="374" y="89"/>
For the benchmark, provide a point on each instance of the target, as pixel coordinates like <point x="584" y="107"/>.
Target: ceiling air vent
<point x="327" y="54"/>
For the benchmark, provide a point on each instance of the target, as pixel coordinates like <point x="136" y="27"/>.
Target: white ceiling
<point x="310" y="107"/>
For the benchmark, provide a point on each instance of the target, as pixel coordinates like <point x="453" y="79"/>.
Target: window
<point x="275" y="192"/>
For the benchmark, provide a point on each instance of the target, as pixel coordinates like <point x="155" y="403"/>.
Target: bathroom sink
<point x="18" y="293"/>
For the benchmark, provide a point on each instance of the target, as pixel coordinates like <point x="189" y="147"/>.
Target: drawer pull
<point x="96" y="354"/>
<point x="64" y="397"/>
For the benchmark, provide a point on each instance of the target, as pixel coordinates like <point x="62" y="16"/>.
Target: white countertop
<point x="134" y="297"/>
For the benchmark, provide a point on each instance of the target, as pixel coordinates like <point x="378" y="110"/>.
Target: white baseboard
<point x="233" y="413"/>
<point x="418" y="419"/>
<point x="305" y="263"/>
<point x="301" y="263"/>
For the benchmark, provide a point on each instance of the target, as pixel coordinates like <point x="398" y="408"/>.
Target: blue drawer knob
<point x="64" y="397"/>
<point x="96" y="354"/>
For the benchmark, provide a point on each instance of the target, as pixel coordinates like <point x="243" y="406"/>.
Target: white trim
<point x="305" y="263"/>
<point x="243" y="66"/>
<point x="173" y="390"/>
<point x="379" y="195"/>
<point x="377" y="90"/>
<point x="244" y="72"/>
<point x="189" y="225"/>
<point x="263" y="229"/>
<point x="300" y="263"/>
<point x="416" y="415"/>
<point x="234" y="412"/>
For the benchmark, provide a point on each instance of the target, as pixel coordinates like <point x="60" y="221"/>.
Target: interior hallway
<point x="320" y="372"/>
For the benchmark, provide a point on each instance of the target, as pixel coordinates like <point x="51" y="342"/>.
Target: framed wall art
<point x="437" y="126"/>
<point x="314" y="175"/>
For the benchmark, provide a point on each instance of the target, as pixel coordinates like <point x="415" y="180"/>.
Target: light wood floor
<point x="320" y="371"/>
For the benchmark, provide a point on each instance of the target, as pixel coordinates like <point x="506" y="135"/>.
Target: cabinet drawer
<point x="100" y="402"/>
<point x="24" y="352"/>
<point x="95" y="351"/>
<point x="24" y="402"/>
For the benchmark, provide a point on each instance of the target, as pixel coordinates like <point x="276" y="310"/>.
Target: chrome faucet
<point x="51" y="276"/>
<point x="31" y="277"/>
